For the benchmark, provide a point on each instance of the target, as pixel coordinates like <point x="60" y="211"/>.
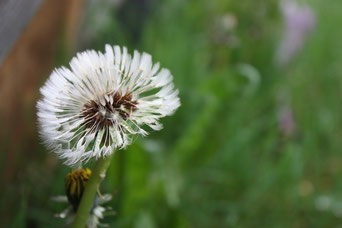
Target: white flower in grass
<point x="93" y="108"/>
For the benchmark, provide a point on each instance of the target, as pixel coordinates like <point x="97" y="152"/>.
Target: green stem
<point x="98" y="174"/>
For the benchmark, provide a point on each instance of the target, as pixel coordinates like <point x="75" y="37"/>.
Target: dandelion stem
<point x="98" y="174"/>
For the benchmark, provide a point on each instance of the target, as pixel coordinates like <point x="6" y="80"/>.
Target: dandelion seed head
<point x="95" y="107"/>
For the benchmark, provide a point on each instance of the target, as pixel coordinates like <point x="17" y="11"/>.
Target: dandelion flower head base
<point x="95" y="107"/>
<point x="75" y="183"/>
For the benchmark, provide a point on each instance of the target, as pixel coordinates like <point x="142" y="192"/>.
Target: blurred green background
<point x="257" y="140"/>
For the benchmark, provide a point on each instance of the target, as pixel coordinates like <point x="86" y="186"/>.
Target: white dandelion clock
<point x="96" y="106"/>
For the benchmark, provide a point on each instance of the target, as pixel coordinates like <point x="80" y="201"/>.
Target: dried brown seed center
<point x="99" y="113"/>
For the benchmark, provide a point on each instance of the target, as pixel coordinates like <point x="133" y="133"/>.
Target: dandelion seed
<point x="96" y="106"/>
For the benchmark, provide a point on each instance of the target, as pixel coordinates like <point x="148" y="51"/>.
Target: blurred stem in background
<point x="121" y="179"/>
<point x="98" y="174"/>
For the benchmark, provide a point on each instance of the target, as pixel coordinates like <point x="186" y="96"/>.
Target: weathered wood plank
<point x="14" y="16"/>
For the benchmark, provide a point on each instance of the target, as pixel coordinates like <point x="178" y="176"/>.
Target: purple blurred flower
<point x="286" y="122"/>
<point x="299" y="22"/>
